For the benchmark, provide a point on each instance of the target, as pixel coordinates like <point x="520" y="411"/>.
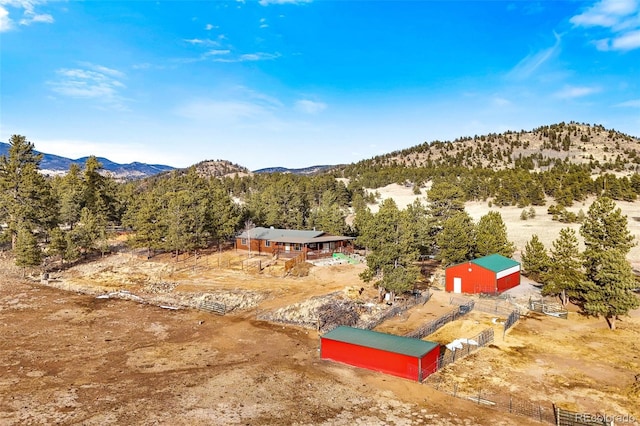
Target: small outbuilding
<point x="491" y="274"/>
<point x="400" y="356"/>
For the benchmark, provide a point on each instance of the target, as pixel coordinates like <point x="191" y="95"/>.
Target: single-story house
<point x="290" y="242"/>
<point x="491" y="274"/>
<point x="400" y="356"/>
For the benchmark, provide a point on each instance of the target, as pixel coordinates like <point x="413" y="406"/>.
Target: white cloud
<point x="620" y="17"/>
<point x="310" y="107"/>
<point x="627" y="41"/>
<point x="240" y="106"/>
<point x="29" y="14"/>
<point x="634" y="103"/>
<point x="532" y="62"/>
<point x="223" y="111"/>
<point x="501" y="102"/>
<point x="5" y="22"/>
<point x="217" y="52"/>
<point x="94" y="82"/>
<point x="268" y="2"/>
<point x="248" y="57"/>
<point x="204" y="42"/>
<point x="572" y="92"/>
<point x="606" y="13"/>
<point x="259" y="56"/>
<point x="210" y="27"/>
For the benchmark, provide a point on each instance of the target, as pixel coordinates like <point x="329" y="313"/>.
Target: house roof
<point x="291" y="235"/>
<point x="383" y="341"/>
<point x="495" y="262"/>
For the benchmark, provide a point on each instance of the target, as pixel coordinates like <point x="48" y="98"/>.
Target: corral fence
<point x="214" y="307"/>
<point x="432" y="326"/>
<point x="511" y="320"/>
<point x="398" y="308"/>
<point x="465" y="347"/>
<point x="539" y="411"/>
<point x="571" y="418"/>
<point x="491" y="306"/>
<point x="494" y="307"/>
<point x="548" y="308"/>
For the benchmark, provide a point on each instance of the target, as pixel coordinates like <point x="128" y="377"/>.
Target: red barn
<point x="490" y="274"/>
<point x="396" y="355"/>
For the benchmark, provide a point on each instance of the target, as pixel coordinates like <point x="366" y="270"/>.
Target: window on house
<point x="243" y="241"/>
<point x="267" y="243"/>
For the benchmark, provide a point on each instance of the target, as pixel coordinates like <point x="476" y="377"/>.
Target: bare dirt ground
<point x="69" y="358"/>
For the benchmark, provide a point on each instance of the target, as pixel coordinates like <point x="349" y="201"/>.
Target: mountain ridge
<point x="53" y="164"/>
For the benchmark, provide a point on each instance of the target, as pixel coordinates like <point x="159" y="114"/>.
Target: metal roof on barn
<point x="382" y="341"/>
<point x="495" y="262"/>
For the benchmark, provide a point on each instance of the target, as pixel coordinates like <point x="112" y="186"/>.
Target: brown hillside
<point x="536" y="149"/>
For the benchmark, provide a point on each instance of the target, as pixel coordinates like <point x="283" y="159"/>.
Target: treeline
<point x="185" y="210"/>
<point x="66" y="217"/>
<point x="599" y="279"/>
<point x="516" y="168"/>
<point x="564" y="182"/>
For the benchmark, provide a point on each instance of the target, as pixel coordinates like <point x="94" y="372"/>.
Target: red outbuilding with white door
<point x="491" y="274"/>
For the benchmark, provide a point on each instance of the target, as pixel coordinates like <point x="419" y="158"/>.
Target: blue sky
<point x="299" y="83"/>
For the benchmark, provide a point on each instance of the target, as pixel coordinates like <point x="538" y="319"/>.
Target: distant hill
<point x="56" y="165"/>
<point x="313" y="170"/>
<point x="219" y="168"/>
<point x="536" y="150"/>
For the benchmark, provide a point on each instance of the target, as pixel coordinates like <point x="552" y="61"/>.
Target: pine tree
<point x="445" y="199"/>
<point x="25" y="195"/>
<point x="608" y="285"/>
<point x="27" y="251"/>
<point x="57" y="244"/>
<point x="457" y="239"/>
<point x="70" y="193"/>
<point x="609" y="292"/>
<point x="328" y="216"/>
<point x="491" y="236"/>
<point x="389" y="236"/>
<point x="535" y="260"/>
<point x="564" y="275"/>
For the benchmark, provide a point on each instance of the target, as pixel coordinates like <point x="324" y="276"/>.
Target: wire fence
<point x="494" y="307"/>
<point x="432" y="326"/>
<point x="397" y="309"/>
<point x="511" y="320"/>
<point x="548" y="308"/>
<point x="572" y="418"/>
<point x="463" y="347"/>
<point x="540" y="411"/>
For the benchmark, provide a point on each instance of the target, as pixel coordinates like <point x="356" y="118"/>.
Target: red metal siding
<point x="475" y="279"/>
<point x="510" y="281"/>
<point x="395" y="364"/>
<point x="429" y="363"/>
